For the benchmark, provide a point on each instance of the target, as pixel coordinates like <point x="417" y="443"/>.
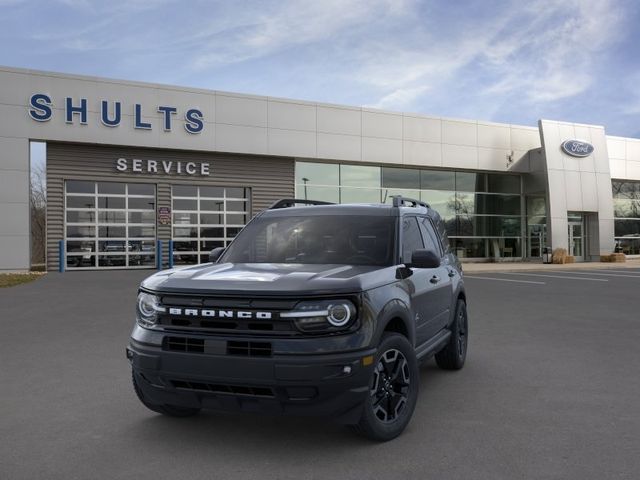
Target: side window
<point x="411" y="238"/>
<point x="431" y="241"/>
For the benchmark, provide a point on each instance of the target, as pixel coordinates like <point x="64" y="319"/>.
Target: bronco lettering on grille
<point x="210" y="313"/>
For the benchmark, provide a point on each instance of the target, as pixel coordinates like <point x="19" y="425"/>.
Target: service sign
<point x="577" y="148"/>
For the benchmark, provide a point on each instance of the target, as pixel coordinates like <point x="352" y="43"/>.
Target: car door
<point x="441" y="279"/>
<point x="421" y="286"/>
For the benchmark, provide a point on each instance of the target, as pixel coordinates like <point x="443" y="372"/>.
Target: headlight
<point x="147" y="309"/>
<point x="323" y="316"/>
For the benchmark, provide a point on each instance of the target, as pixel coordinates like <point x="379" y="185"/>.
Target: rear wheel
<point x="454" y="354"/>
<point x="169" y="410"/>
<point x="393" y="390"/>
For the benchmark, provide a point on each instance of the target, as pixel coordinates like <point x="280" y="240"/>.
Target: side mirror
<point x="423" y="258"/>
<point x="215" y="254"/>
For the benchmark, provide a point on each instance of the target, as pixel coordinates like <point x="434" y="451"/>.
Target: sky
<point x="507" y="61"/>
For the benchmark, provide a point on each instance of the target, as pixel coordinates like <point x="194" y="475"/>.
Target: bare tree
<point x="38" y="207"/>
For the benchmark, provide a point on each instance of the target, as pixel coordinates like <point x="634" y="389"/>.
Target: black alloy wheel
<point x="393" y="390"/>
<point x="390" y="389"/>
<point x="454" y="354"/>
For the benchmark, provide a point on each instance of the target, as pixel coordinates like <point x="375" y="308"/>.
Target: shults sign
<point x="41" y="109"/>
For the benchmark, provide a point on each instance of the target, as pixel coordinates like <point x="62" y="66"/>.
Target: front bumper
<point x="331" y="385"/>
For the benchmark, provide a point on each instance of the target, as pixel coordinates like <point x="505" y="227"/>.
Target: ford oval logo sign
<point x="577" y="148"/>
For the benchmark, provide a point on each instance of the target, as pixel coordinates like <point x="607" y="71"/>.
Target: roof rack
<point x="292" y="202"/>
<point x="400" y="201"/>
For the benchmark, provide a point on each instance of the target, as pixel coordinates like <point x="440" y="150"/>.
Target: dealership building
<point x="139" y="173"/>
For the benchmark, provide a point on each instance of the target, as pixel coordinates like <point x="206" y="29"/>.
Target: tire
<point x="454" y="354"/>
<point x="169" y="410"/>
<point x="393" y="390"/>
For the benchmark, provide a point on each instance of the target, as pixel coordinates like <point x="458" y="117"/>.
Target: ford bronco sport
<point x="318" y="309"/>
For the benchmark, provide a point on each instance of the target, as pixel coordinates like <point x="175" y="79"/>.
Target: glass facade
<point x="483" y="212"/>
<point x="109" y="224"/>
<point x="205" y="218"/>
<point x="626" y="210"/>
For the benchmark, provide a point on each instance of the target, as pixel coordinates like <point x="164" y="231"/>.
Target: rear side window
<point x="411" y="238"/>
<point x="430" y="237"/>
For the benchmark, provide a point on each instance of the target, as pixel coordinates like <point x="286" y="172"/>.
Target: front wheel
<point x="454" y="354"/>
<point x="393" y="390"/>
<point x="169" y="410"/>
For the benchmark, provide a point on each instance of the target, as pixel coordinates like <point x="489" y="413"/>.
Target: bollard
<point x="170" y="254"/>
<point x="61" y="258"/>
<point x="159" y="254"/>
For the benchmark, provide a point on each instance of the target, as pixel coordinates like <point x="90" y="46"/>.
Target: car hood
<point x="269" y="278"/>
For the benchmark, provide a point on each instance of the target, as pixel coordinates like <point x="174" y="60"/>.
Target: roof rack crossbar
<point x="400" y="201"/>
<point x="291" y="202"/>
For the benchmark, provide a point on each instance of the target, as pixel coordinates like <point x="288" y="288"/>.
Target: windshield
<point x="339" y="239"/>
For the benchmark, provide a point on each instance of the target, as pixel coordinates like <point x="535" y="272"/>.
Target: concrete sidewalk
<point x="470" y="267"/>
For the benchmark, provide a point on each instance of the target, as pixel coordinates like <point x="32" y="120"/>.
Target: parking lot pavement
<point x="550" y="391"/>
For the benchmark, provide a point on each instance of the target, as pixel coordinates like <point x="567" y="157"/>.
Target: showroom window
<point x="626" y="212"/>
<point x="483" y="212"/>
<point x="109" y="224"/>
<point x="205" y="218"/>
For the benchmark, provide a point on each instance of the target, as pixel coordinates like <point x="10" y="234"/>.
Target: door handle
<point x="435" y="279"/>
<point x="452" y="273"/>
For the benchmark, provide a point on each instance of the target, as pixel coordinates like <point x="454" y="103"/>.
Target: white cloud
<point x="286" y="24"/>
<point x="553" y="56"/>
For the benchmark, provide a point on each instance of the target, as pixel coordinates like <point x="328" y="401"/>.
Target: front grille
<point x="274" y="326"/>
<point x="184" y="344"/>
<point x="213" y="346"/>
<point x="247" y="390"/>
<point x="249" y="349"/>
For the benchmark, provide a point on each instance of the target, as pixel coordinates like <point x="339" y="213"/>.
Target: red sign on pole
<point x="164" y="216"/>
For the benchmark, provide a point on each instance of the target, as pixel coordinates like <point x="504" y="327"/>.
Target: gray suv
<point x="313" y="309"/>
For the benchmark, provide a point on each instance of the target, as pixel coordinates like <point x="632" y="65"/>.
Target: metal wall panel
<point x="269" y="179"/>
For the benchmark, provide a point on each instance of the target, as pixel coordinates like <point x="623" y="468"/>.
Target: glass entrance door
<point x="576" y="236"/>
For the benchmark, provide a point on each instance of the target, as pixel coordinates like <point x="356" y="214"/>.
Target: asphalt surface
<point x="550" y="391"/>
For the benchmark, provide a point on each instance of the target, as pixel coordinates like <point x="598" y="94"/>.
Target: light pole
<point x="305" y="180"/>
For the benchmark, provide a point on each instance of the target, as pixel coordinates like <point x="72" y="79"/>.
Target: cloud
<point x="552" y="57"/>
<point x="284" y="25"/>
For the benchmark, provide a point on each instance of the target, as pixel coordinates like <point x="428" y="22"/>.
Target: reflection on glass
<point x="387" y="193"/>
<point x="359" y="195"/>
<point x="76" y="186"/>
<point x="628" y="189"/>
<point x="317" y="173"/>
<point x="212" y="192"/>
<point x="191" y="205"/>
<point x="142" y="203"/>
<point x="441" y="201"/>
<point x="184" y="191"/>
<point x="326" y="194"/>
<point x="470" y="182"/>
<point x="630" y="244"/>
<point x="141" y="189"/>
<point x="536" y="206"/>
<point x="81" y="216"/>
<point x="501" y="183"/>
<point x="112" y="217"/>
<point x="111" y="188"/>
<point x="437" y="180"/>
<point x="624" y="208"/>
<point x="112" y="202"/>
<point x="471" y="204"/>
<point x="626" y="227"/>
<point x="403" y="178"/>
<point x="359" y="176"/>
<point x="81" y="202"/>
